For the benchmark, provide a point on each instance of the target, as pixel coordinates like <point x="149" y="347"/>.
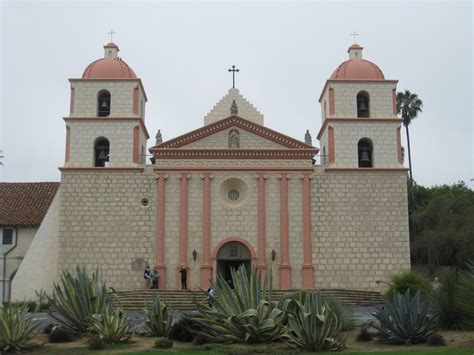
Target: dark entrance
<point x="232" y="255"/>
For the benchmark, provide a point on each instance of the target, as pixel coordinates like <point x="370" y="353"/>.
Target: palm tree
<point x="408" y="105"/>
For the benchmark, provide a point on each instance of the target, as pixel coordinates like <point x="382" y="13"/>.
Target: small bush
<point x="163" y="343"/>
<point x="364" y="335"/>
<point x="159" y="320"/>
<point x="112" y="326"/>
<point x="436" y="339"/>
<point x="409" y="280"/>
<point x="60" y="334"/>
<point x="15" y="331"/>
<point x="96" y="342"/>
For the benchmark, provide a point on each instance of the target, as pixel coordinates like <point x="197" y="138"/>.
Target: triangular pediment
<point x="215" y="136"/>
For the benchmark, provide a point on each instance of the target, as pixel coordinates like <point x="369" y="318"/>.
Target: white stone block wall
<point x="121" y="94"/>
<point x="383" y="136"/>
<point x="83" y="135"/>
<point x="220" y="140"/>
<point x="360" y="228"/>
<point x="102" y="223"/>
<point x="345" y="97"/>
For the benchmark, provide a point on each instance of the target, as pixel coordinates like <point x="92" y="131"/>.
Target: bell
<point x="104" y="104"/>
<point x="362" y="106"/>
<point x="365" y="157"/>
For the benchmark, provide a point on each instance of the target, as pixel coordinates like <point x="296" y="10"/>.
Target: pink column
<point x="206" y="267"/>
<point x="183" y="226"/>
<point x="332" y="153"/>
<point x="136" y="142"/>
<point x="307" y="248"/>
<point x="285" y="268"/>
<point x="261" y="226"/>
<point x="160" y="229"/>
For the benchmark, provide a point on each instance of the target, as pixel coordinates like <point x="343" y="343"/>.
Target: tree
<point x="409" y="105"/>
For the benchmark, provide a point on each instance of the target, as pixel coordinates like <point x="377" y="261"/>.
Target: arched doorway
<point x="233" y="255"/>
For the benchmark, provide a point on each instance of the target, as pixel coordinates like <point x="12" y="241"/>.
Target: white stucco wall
<point x="38" y="269"/>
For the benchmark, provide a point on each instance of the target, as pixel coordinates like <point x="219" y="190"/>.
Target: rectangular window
<point x="7" y="238"/>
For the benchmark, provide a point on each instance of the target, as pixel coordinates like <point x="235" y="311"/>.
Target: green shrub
<point x="313" y="325"/>
<point x="408" y="280"/>
<point x="163" y="343"/>
<point x="76" y="298"/>
<point x="245" y="314"/>
<point x="404" y="320"/>
<point x="30" y="305"/>
<point x="453" y="302"/>
<point x="112" y="326"/>
<point x="15" y="330"/>
<point x="160" y="317"/>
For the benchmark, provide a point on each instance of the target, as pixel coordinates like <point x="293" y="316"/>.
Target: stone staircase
<point x="185" y="300"/>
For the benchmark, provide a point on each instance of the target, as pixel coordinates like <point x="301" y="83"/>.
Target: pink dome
<point x="357" y="70"/>
<point x="105" y="68"/>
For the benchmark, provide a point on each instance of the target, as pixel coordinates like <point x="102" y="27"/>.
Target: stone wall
<point x="360" y="228"/>
<point x="220" y="140"/>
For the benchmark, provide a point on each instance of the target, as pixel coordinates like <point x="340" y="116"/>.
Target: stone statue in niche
<point x="233" y="108"/>
<point x="234" y="141"/>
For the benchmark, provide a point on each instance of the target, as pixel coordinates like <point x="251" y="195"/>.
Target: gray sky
<point x="285" y="51"/>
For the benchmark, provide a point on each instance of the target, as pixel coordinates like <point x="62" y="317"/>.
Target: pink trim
<point x="365" y="170"/>
<point x="261" y="227"/>
<point x="236" y="169"/>
<point x="136" y="143"/>
<point x="307" y="247"/>
<point x="111" y="119"/>
<point x="357" y="120"/>
<point x="206" y="268"/>
<point x="183" y="224"/>
<point x="394" y="101"/>
<point x="300" y="154"/>
<point x="103" y="170"/>
<point x="160" y="230"/>
<point x="234" y="239"/>
<point x="73" y="80"/>
<point x="68" y="143"/>
<point x="135" y="101"/>
<point x="332" y="153"/>
<point x="332" y="103"/>
<point x="71" y="107"/>
<point x="329" y="81"/>
<point x="399" y="146"/>
<point x="285" y="268"/>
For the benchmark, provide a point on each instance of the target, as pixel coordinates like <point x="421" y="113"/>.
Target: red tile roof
<point x="25" y="204"/>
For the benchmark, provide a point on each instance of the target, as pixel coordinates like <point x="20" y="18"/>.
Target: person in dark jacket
<point x="147" y="276"/>
<point x="184" y="277"/>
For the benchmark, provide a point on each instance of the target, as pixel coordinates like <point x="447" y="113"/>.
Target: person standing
<point x="147" y="277"/>
<point x="184" y="276"/>
<point x="155" y="277"/>
<point x="210" y="296"/>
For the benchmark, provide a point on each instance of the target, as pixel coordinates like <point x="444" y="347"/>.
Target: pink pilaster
<point x="285" y="268"/>
<point x="307" y="247"/>
<point x="136" y="142"/>
<point x="183" y="225"/>
<point x="332" y="153"/>
<point x="160" y="229"/>
<point x="261" y="226"/>
<point x="206" y="267"/>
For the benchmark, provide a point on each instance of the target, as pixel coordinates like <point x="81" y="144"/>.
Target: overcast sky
<point x="285" y="52"/>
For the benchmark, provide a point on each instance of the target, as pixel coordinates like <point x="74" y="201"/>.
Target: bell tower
<point x="106" y="123"/>
<point x="360" y="128"/>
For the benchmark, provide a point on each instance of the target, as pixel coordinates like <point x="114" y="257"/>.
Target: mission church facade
<point x="229" y="193"/>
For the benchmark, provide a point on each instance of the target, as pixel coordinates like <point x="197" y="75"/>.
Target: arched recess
<point x="234" y="138"/>
<point x="101" y="152"/>
<point x="365" y="153"/>
<point x="363" y="104"/>
<point x="103" y="103"/>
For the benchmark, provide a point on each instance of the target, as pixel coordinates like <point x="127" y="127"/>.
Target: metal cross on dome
<point x="112" y="33"/>
<point x="354" y="35"/>
<point x="233" y="70"/>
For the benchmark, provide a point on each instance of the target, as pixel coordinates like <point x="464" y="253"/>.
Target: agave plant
<point x="313" y="325"/>
<point x="245" y="314"/>
<point x="159" y="319"/>
<point x="112" y="326"/>
<point x="404" y="320"/>
<point x="15" y="331"/>
<point x="77" y="298"/>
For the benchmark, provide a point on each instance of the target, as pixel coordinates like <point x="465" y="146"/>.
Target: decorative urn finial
<point x="307" y="138"/>
<point x="159" y="138"/>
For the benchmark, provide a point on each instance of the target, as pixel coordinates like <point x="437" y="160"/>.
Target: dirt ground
<point x="454" y="339"/>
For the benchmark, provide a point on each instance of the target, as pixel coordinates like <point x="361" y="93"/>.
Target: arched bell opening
<point x="103" y="103"/>
<point x="363" y="104"/>
<point x="365" y="153"/>
<point x="101" y="152"/>
<point x="233" y="255"/>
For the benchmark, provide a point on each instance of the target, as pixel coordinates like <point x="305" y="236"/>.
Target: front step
<point x="186" y="300"/>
